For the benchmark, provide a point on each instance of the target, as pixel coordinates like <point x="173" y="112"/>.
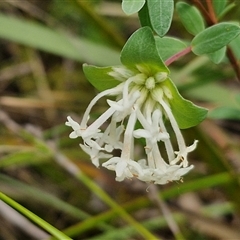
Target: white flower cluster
<point x="137" y="113"/>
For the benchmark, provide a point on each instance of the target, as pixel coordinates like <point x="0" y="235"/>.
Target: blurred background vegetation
<point x="43" y="45"/>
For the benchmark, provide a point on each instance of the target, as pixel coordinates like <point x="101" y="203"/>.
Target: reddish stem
<point x="233" y="62"/>
<point x="211" y="11"/>
<point x="205" y="13"/>
<point x="178" y="55"/>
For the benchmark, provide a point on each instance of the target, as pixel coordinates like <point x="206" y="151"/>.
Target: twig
<point x="153" y="194"/>
<point x="211" y="11"/>
<point x="233" y="62"/>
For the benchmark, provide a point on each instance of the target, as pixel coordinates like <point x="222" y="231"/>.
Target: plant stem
<point x="155" y="196"/>
<point x="233" y="62"/>
<point x="37" y="220"/>
<point x="211" y="11"/>
<point x="205" y="13"/>
<point x="178" y="55"/>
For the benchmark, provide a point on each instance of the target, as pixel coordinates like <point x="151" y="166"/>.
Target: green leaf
<point x="214" y="38"/>
<point x="161" y="13"/>
<point x="217" y="56"/>
<point x="227" y="9"/>
<point x="41" y="37"/>
<point x="132" y="6"/>
<point x="99" y="77"/>
<point x="141" y="49"/>
<point x="186" y="113"/>
<point x="225" y="113"/>
<point x="168" y="46"/>
<point x="235" y="47"/>
<point x="190" y="17"/>
<point x="219" y="6"/>
<point x="216" y="94"/>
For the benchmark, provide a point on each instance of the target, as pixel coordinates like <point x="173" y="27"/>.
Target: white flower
<point x="182" y="154"/>
<point x="77" y="132"/>
<point x="94" y="153"/>
<point x="112" y="137"/>
<point x="124" y="168"/>
<point x="139" y="111"/>
<point x="152" y="131"/>
<point x="162" y="175"/>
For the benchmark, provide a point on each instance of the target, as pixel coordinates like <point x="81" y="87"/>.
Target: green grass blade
<point x="41" y="37"/>
<point x="42" y="197"/>
<point x="40" y="222"/>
